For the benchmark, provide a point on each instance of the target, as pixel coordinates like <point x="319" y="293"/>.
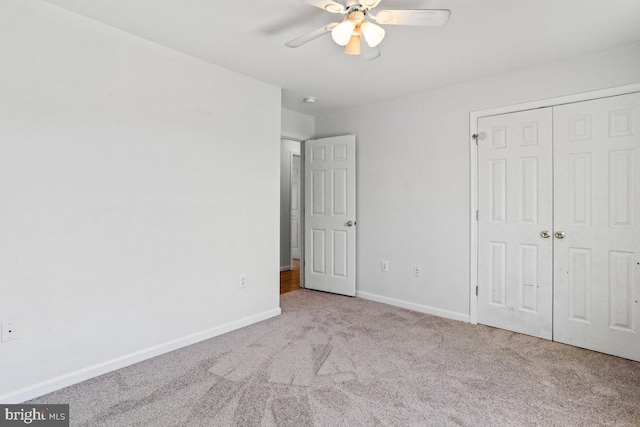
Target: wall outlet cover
<point x="9" y="330"/>
<point x="417" y="271"/>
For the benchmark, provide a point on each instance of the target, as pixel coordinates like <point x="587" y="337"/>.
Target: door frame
<point x="301" y="154"/>
<point x="473" y="167"/>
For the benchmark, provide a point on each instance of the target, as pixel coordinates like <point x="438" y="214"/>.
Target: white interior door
<point x="330" y="215"/>
<point x="295" y="206"/>
<point x="515" y="207"/>
<point x="597" y="207"/>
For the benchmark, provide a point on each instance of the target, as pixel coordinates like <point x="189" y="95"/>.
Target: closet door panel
<point x="597" y="208"/>
<point x="515" y="207"/>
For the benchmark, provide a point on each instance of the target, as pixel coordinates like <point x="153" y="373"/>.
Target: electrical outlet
<point x="385" y="266"/>
<point x="242" y="281"/>
<point x="10" y="330"/>
<point x="416" y="271"/>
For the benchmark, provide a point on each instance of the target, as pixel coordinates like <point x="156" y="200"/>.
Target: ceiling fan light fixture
<point x="342" y="33"/>
<point x="353" y="47"/>
<point x="359" y="21"/>
<point x="373" y="34"/>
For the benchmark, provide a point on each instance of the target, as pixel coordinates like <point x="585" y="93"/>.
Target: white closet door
<point x="597" y="207"/>
<point x="515" y="206"/>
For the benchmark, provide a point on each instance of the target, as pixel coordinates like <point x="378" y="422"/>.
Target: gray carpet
<point x="337" y="361"/>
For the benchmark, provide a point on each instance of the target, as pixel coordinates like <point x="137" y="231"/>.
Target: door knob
<point x="559" y="234"/>
<point x="545" y="234"/>
<point x="350" y="223"/>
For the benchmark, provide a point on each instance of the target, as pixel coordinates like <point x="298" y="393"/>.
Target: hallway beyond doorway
<point x="290" y="279"/>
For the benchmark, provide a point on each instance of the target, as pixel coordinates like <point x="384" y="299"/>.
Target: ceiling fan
<point x="356" y="26"/>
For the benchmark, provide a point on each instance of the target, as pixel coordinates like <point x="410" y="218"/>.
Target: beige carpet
<point x="339" y="361"/>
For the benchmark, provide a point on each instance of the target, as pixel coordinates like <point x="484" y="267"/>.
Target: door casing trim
<point x="473" y="167"/>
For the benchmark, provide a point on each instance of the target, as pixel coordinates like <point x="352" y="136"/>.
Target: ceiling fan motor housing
<point x="356" y="16"/>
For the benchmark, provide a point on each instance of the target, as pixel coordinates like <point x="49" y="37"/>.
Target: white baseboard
<point x="413" y="306"/>
<point x="84" y="374"/>
<point x="285" y="268"/>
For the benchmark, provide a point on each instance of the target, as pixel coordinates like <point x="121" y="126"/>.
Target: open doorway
<point x="290" y="279"/>
<point x="291" y="214"/>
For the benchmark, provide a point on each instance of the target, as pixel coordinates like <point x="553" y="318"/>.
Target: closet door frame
<point x="473" y="173"/>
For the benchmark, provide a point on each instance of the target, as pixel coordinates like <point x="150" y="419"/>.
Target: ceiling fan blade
<point x="328" y="5"/>
<point x="370" y="4"/>
<point x="368" y="53"/>
<point x="424" y="17"/>
<point x="312" y="35"/>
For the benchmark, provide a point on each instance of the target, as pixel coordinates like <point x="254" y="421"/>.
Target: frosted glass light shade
<point x="373" y="34"/>
<point x="353" y="47"/>
<point x="343" y="32"/>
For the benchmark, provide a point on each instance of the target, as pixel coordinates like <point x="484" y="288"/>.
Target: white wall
<point x="133" y="194"/>
<point x="413" y="175"/>
<point x="298" y="126"/>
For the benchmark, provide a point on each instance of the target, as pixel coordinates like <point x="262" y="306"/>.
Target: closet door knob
<point x="559" y="234"/>
<point x="545" y="234"/>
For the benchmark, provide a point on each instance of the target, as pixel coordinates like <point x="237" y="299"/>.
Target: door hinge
<point x="477" y="215"/>
<point x="476" y="290"/>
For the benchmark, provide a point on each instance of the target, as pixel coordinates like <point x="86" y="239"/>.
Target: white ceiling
<point x="482" y="38"/>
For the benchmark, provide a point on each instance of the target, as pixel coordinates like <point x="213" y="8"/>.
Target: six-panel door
<point x="515" y="208"/>
<point x="330" y="215"/>
<point x="597" y="208"/>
